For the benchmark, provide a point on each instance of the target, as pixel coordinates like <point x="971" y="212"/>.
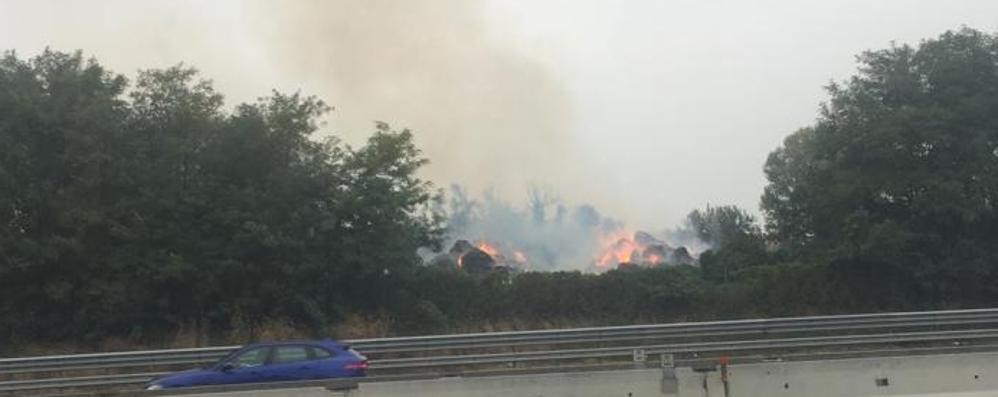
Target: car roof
<point x="327" y="343"/>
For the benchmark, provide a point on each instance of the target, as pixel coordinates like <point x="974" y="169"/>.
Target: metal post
<point x="639" y="356"/>
<point x="670" y="383"/>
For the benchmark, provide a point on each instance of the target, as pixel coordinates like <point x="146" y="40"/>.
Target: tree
<point x="61" y="124"/>
<point x="385" y="215"/>
<point x="895" y="184"/>
<point x="735" y="240"/>
<point x="722" y="225"/>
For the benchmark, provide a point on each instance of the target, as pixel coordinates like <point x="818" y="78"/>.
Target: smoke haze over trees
<point x="627" y="96"/>
<point x="136" y="208"/>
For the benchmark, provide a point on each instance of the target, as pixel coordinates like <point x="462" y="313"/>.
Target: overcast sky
<point x="645" y="109"/>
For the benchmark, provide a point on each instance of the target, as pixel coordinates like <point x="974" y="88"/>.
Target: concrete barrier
<point x="961" y="375"/>
<point x="631" y="383"/>
<point x="970" y="374"/>
<point x="279" y="392"/>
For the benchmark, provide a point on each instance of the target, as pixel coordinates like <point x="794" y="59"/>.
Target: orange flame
<point x="620" y="246"/>
<point x="488" y="249"/>
<point x="518" y="257"/>
<point x="619" y="252"/>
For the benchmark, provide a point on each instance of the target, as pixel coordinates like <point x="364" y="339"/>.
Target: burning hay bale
<point x="681" y="256"/>
<point x="641" y="250"/>
<point x="622" y="249"/>
<point x="477" y="261"/>
<point x="654" y="254"/>
<point x="460" y="247"/>
<point x="482" y="258"/>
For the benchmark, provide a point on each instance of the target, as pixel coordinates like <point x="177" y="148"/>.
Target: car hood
<point x="182" y="378"/>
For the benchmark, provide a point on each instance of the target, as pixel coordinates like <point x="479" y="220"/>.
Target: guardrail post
<point x="723" y="361"/>
<point x="668" y="360"/>
<point x="670" y="384"/>
<point x="639" y="357"/>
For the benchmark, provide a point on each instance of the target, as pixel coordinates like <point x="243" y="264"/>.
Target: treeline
<point x="894" y="188"/>
<point x="888" y="201"/>
<point x="133" y="210"/>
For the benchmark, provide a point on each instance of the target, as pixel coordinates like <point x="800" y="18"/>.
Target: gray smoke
<point x="550" y="234"/>
<point x="484" y="113"/>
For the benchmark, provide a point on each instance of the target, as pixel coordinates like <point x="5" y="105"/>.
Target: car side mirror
<point x="227" y="367"/>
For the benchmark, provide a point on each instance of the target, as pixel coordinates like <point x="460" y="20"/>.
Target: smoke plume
<point x="485" y="113"/>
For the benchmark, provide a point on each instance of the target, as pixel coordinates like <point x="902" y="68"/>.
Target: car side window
<point x="290" y="354"/>
<point x="251" y="358"/>
<point x="319" y="353"/>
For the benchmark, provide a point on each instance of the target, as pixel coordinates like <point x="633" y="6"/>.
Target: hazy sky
<point x="645" y="109"/>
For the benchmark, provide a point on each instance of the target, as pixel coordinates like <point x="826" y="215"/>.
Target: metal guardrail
<point x="738" y="328"/>
<point x="725" y="347"/>
<point x="77" y="382"/>
<point x="547" y="345"/>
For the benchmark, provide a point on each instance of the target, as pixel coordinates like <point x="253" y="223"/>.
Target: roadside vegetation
<point x="147" y="213"/>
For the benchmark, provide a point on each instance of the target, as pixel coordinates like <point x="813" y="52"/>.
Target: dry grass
<point x="189" y="335"/>
<point x="359" y="326"/>
<point x="353" y="326"/>
<point x="274" y="329"/>
<point x="519" y="324"/>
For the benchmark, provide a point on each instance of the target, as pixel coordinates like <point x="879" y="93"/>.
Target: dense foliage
<point x="136" y="209"/>
<point x="736" y="240"/>
<point x="894" y="187"/>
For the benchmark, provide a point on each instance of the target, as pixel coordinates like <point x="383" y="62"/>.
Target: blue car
<point x="271" y="362"/>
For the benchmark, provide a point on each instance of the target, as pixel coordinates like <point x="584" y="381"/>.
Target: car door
<point x="325" y="364"/>
<point x="292" y="362"/>
<point x="249" y="366"/>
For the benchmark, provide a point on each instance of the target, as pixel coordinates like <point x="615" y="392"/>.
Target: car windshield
<point x="251" y="358"/>
<point x="225" y="358"/>
<point x="244" y="357"/>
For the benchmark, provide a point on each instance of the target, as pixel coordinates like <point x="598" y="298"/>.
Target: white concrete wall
<point x="958" y="375"/>
<point x="296" y="392"/>
<point x="972" y="374"/>
<point x="632" y="383"/>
